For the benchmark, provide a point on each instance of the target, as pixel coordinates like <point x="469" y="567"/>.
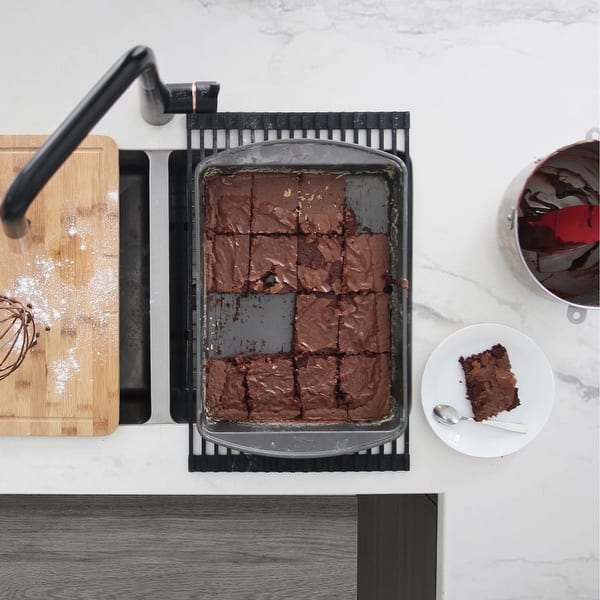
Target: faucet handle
<point x="197" y="97"/>
<point x="206" y="95"/>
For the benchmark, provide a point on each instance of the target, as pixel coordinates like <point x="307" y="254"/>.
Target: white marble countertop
<point x="490" y="87"/>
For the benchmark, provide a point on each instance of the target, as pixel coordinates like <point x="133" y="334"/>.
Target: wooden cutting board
<point x="68" y="383"/>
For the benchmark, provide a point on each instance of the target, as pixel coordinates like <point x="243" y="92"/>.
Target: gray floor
<point x="88" y="547"/>
<point x="219" y="548"/>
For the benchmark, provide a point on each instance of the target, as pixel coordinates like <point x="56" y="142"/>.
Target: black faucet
<point x="158" y="103"/>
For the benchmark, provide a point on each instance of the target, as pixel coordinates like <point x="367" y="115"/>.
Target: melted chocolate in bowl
<point x="559" y="224"/>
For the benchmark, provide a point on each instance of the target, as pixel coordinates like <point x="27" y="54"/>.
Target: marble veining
<point x="411" y="17"/>
<point x="429" y="312"/>
<point x="477" y="283"/>
<point x="585" y="391"/>
<point x="563" y="577"/>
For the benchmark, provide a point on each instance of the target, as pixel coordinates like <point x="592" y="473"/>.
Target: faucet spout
<point x="157" y="102"/>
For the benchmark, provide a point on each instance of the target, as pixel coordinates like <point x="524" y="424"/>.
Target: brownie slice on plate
<point x="491" y="385"/>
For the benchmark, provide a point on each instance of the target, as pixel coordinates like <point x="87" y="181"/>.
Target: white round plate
<point x="444" y="383"/>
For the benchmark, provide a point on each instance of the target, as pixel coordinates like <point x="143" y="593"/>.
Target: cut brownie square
<point x="317" y="378"/>
<point x="316" y="323"/>
<point x="227" y="200"/>
<point x="273" y="264"/>
<point x="321" y="203"/>
<point x="274" y="203"/>
<point x="367" y="263"/>
<point x="319" y="263"/>
<point x="225" y="396"/>
<point x="365" y="383"/>
<point x="364" y="323"/>
<point x="270" y="381"/>
<point x="226" y="260"/>
<point x="490" y="382"/>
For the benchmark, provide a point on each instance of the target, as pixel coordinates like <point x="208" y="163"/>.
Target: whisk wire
<point x="17" y="334"/>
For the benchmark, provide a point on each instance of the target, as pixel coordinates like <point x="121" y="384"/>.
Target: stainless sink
<point x="134" y="295"/>
<point x="154" y="284"/>
<point x="152" y="277"/>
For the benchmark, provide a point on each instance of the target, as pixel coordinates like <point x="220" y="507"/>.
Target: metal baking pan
<point x="227" y="325"/>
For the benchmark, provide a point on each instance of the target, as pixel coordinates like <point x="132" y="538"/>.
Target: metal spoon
<point x="448" y="415"/>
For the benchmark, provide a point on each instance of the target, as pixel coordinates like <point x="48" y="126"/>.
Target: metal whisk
<point x="17" y="334"/>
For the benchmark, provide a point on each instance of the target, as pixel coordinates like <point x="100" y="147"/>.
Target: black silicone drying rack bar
<point x="211" y="133"/>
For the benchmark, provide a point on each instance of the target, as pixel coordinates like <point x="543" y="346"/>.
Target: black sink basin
<point x="178" y="246"/>
<point x="134" y="291"/>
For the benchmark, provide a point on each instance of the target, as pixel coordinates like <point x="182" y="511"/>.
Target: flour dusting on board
<point x="72" y="230"/>
<point x="32" y="288"/>
<point x="112" y="196"/>
<point x="63" y="369"/>
<point x="65" y="296"/>
<point x="79" y="227"/>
